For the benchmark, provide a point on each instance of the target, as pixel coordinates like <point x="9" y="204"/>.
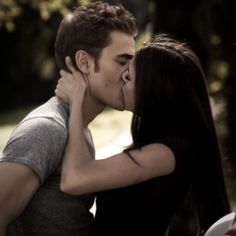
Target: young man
<point x="99" y="39"/>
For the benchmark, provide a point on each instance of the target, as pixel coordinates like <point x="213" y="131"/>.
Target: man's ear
<point x="83" y="61"/>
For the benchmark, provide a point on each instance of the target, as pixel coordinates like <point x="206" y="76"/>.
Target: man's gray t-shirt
<point x="39" y="142"/>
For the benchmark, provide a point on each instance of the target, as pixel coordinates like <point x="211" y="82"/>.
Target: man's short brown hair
<point x="88" y="28"/>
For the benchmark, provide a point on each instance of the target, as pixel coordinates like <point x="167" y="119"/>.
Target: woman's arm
<point x="82" y="174"/>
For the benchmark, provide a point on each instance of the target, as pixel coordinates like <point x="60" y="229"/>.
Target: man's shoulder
<point x="44" y="122"/>
<point x="54" y="109"/>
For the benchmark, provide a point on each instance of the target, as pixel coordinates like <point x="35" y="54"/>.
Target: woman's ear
<point x="83" y="61"/>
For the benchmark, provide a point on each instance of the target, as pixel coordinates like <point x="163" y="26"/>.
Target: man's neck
<point x="92" y="109"/>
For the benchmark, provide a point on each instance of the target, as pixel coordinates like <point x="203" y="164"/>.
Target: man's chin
<point x="118" y="106"/>
<point x="121" y="108"/>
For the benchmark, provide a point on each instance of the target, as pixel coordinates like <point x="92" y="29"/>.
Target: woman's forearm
<point x="77" y="153"/>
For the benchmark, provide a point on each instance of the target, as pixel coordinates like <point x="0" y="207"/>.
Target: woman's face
<point x="129" y="87"/>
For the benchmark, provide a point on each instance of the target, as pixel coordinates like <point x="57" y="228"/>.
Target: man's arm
<point x="18" y="183"/>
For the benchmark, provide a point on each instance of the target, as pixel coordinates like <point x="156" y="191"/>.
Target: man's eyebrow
<point x="125" y="56"/>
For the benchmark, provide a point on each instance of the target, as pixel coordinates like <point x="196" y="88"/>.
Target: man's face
<point x="129" y="87"/>
<point x="106" y="84"/>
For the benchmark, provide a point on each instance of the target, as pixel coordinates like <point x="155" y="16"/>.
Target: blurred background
<point x="29" y="74"/>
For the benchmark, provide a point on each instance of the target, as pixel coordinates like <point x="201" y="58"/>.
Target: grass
<point x="108" y="125"/>
<point x="105" y="128"/>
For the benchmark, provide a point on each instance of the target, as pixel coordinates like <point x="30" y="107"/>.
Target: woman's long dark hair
<point x="171" y="98"/>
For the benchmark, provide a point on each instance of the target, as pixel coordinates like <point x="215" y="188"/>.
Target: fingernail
<point x="68" y="60"/>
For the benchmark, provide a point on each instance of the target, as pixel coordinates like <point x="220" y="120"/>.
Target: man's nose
<point x="125" y="76"/>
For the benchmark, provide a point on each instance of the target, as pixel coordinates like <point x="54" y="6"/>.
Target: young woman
<point x="175" y="150"/>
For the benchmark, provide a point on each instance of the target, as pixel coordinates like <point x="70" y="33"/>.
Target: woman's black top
<point x="145" y="208"/>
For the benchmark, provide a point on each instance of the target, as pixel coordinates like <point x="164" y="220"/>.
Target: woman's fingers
<point x="65" y="74"/>
<point x="62" y="73"/>
<point x="70" y="65"/>
<point x="72" y="82"/>
<point x="59" y="93"/>
<point x="75" y="74"/>
<point x="63" y="90"/>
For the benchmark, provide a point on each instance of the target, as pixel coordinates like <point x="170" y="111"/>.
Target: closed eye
<point x="123" y="59"/>
<point x="122" y="63"/>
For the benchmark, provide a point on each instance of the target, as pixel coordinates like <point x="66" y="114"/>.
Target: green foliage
<point x="11" y="9"/>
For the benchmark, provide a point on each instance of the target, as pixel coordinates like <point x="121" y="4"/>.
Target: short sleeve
<point x="38" y="143"/>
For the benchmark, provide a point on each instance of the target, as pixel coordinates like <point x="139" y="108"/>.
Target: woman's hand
<point x="71" y="86"/>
